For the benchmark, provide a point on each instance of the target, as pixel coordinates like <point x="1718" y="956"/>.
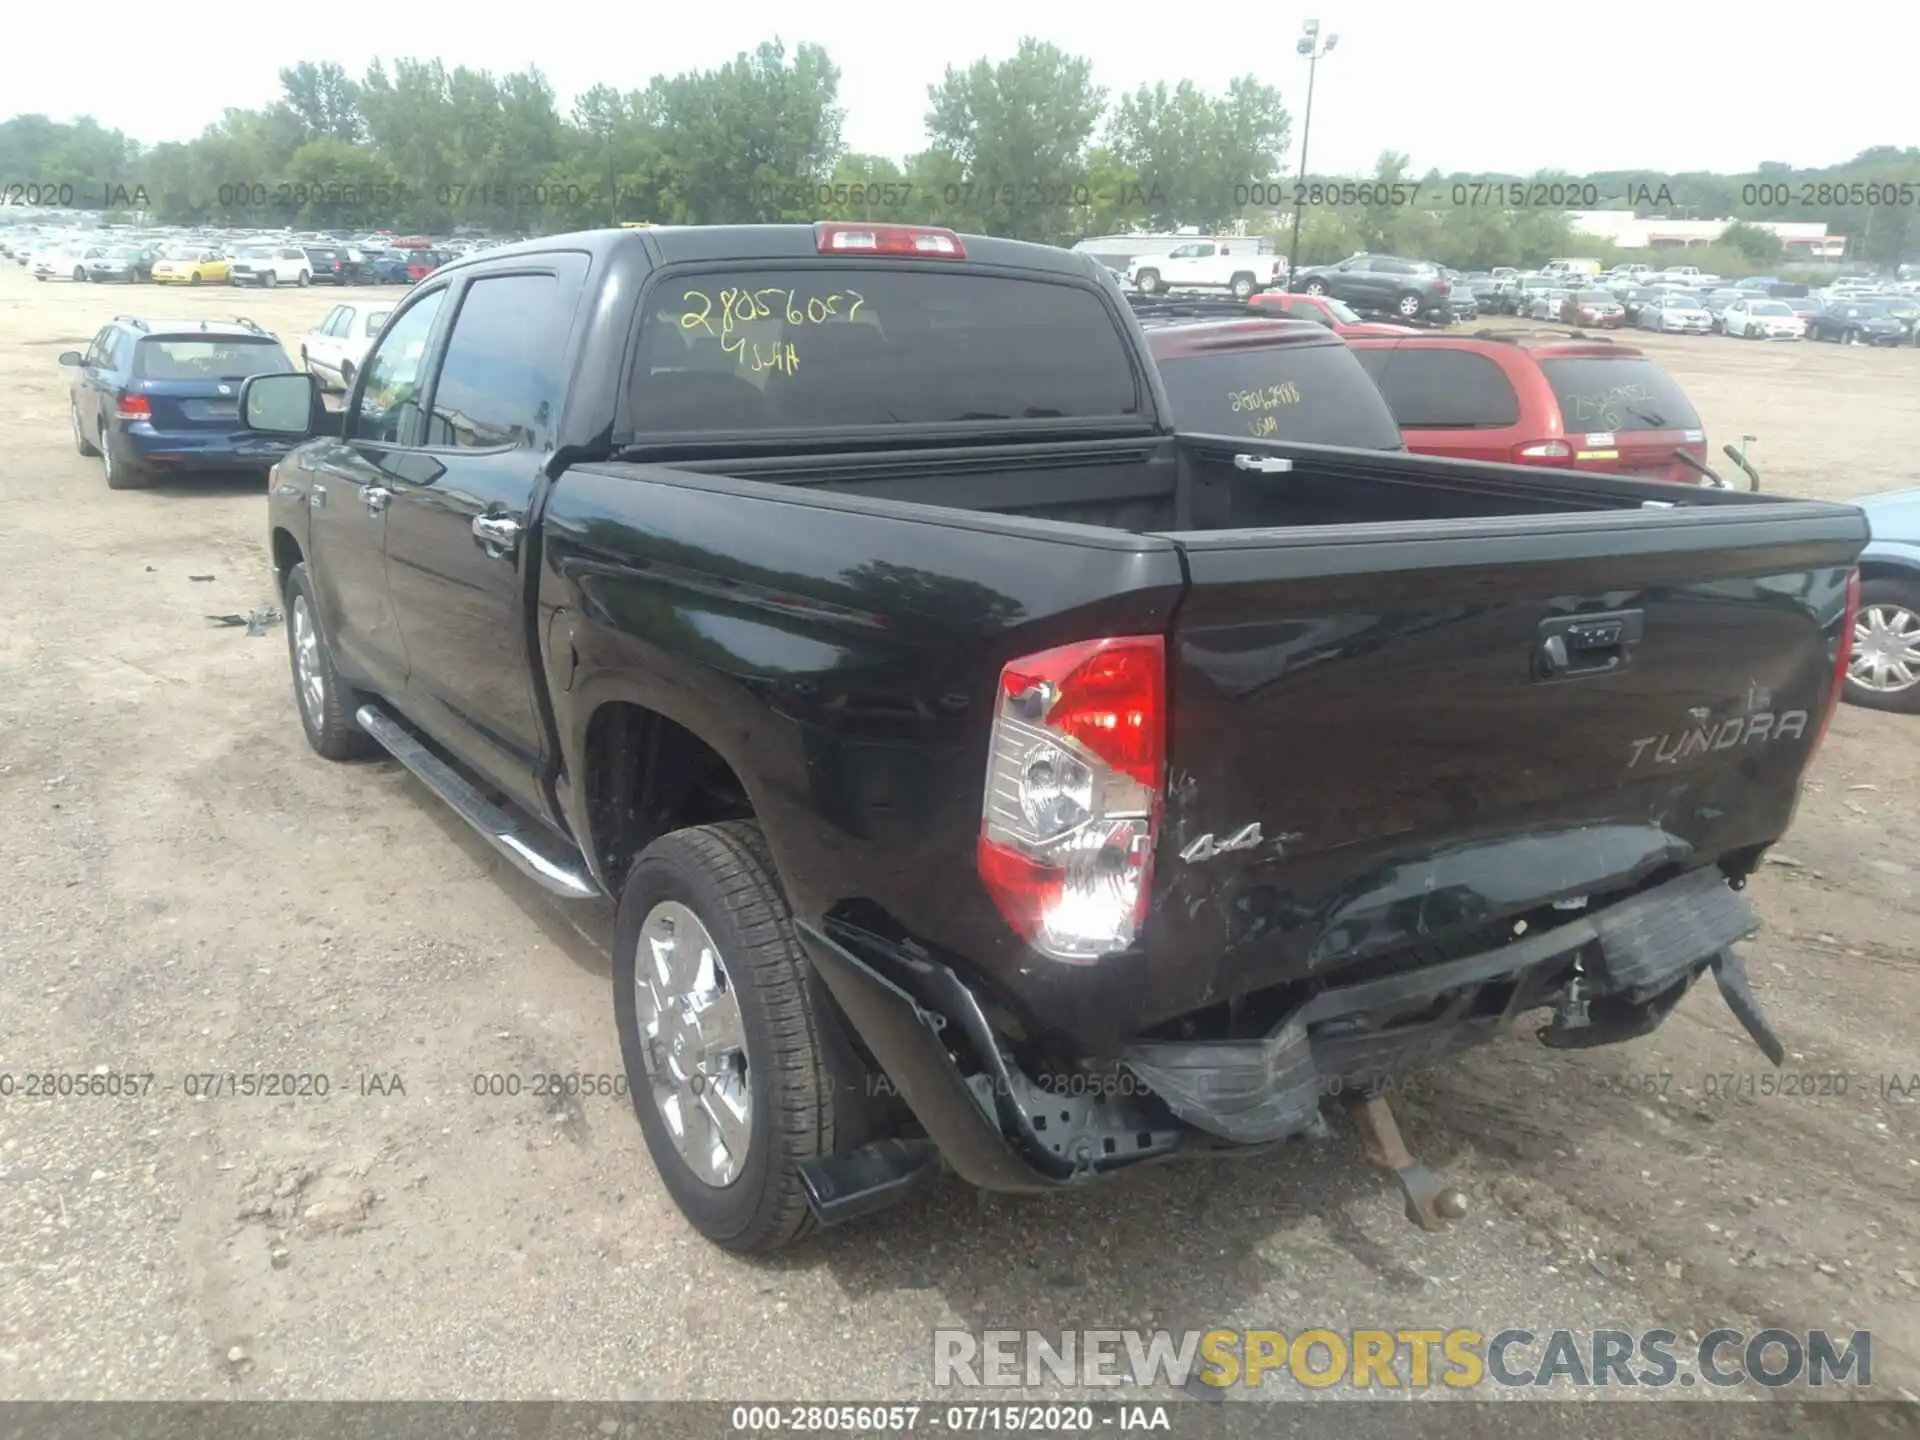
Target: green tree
<point x="325" y="99"/>
<point x="741" y="133"/>
<point x="1011" y="138"/>
<point x="1190" y="150"/>
<point x="1755" y="245"/>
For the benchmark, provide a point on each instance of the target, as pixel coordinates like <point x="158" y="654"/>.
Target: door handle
<point x="378" y="497"/>
<point x="498" y="534"/>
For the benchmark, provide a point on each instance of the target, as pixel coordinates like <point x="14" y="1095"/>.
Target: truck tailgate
<point x="1437" y="725"/>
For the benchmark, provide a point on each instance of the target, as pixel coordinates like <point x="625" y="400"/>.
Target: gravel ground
<point x="189" y="890"/>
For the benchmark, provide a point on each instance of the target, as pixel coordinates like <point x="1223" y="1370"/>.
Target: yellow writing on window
<point x="1263" y="426"/>
<point x="1271" y="397"/>
<point x="729" y="315"/>
<point x="732" y="309"/>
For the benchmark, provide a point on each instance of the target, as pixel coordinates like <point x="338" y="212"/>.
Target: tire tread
<point x="734" y="857"/>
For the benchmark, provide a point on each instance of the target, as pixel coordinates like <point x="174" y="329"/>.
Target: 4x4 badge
<point x="1206" y="847"/>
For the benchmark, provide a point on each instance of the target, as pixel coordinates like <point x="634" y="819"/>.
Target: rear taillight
<point x="1842" y="654"/>
<point x="1075" y="772"/>
<point x="133" y="407"/>
<point x="1542" y="450"/>
<point x="924" y="240"/>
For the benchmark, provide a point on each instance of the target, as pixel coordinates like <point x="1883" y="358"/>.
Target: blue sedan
<point x="1884" y="671"/>
<point x="153" y="398"/>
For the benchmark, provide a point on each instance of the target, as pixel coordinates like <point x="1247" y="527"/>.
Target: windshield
<point x="1768" y="307"/>
<point x="1315" y="394"/>
<point x="216" y="357"/>
<point x="1628" y="393"/>
<point x="780" y="349"/>
<point x="1339" y="310"/>
<point x="1595" y="297"/>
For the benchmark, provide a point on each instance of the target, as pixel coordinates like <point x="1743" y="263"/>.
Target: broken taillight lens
<point x="1842" y="656"/>
<point x="1075" y="771"/>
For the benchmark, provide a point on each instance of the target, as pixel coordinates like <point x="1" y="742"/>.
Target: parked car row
<point x="108" y="254"/>
<point x="1757" y="308"/>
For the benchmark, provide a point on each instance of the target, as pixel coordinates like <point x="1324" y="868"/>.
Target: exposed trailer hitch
<point x="1430" y="1205"/>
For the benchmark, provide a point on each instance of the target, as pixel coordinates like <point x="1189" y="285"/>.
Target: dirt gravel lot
<point x="187" y="889"/>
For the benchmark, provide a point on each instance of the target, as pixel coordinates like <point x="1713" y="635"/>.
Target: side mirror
<point x="281" y="404"/>
<point x="72" y="357"/>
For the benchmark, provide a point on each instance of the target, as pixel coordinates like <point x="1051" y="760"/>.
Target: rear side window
<point x="833" y="346"/>
<point x="212" y="357"/>
<point x="500" y="381"/>
<point x="1624" y="394"/>
<point x="1433" y="389"/>
<point x="1309" y="394"/>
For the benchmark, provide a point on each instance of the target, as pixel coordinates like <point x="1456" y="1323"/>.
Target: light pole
<point x="1313" y="47"/>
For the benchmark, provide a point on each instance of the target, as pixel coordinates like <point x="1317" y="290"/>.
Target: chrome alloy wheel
<point x="694" y="1043"/>
<point x="1886" y="649"/>
<point x="306" y="663"/>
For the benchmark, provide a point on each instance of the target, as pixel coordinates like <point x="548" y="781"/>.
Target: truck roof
<point x="676" y="244"/>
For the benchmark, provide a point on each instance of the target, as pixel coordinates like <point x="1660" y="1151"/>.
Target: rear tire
<point x="326" y="706"/>
<point x="120" y="475"/>
<point x="80" y="442"/>
<point x="1242" y="287"/>
<point x="724" y="875"/>
<point x="1148" y="282"/>
<point x="1316" y="287"/>
<point x="1896" y="605"/>
<point x="305" y="280"/>
<point x="269" y="280"/>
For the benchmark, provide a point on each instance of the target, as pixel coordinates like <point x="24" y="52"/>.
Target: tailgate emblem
<point x="1705" y="735"/>
<point x="1206" y="847"/>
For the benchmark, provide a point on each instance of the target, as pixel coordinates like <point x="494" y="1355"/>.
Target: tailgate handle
<point x="1592" y="644"/>
<point x="1263" y="464"/>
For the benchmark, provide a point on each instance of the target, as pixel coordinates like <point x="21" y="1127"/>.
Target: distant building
<point x="1799" y="240"/>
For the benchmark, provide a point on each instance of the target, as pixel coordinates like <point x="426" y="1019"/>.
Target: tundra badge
<point x="1742" y="730"/>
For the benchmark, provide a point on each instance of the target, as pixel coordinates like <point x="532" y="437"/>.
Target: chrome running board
<point x="528" y="850"/>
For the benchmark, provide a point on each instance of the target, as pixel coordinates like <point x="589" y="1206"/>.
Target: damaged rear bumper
<point x="1615" y="974"/>
<point x="1611" y="975"/>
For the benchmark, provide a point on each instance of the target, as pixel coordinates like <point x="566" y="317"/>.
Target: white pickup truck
<point x="1691" y="277"/>
<point x="1234" y="266"/>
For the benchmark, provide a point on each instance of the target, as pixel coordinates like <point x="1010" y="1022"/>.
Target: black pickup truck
<point x="987" y="774"/>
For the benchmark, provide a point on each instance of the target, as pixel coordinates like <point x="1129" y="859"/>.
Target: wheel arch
<point x="642" y="773"/>
<point x="287" y="552"/>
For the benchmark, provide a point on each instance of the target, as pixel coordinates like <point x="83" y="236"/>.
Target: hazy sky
<point x="1509" y="88"/>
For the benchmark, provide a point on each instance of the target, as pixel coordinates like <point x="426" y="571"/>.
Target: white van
<point x="1566" y="269"/>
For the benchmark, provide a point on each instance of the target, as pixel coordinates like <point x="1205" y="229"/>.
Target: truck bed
<point x="1192" y="484"/>
<point x="1355" y="652"/>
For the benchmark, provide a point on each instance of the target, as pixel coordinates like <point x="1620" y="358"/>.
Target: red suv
<point x="1537" y="400"/>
